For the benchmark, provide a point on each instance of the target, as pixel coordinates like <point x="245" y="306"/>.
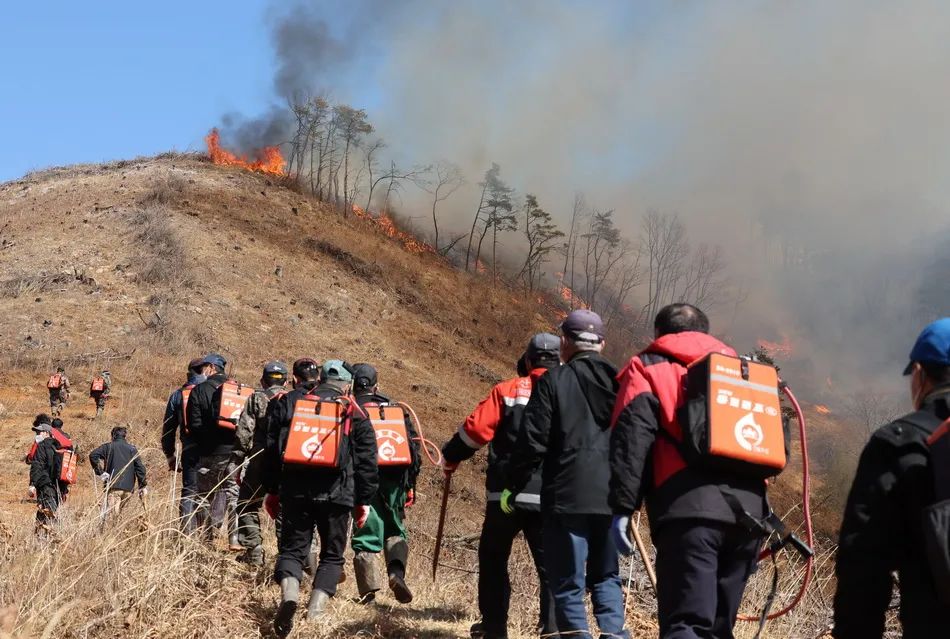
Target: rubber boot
<point x="367" y="579"/>
<point x="318" y="603"/>
<point x="253" y="556"/>
<point x="289" y="596"/>
<point x="233" y="544"/>
<point x="397" y="556"/>
<point x="99" y="410"/>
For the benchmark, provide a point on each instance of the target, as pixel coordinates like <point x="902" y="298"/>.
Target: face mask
<point x="39" y="437"/>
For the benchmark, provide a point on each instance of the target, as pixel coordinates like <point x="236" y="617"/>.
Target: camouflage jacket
<point x="251" y="430"/>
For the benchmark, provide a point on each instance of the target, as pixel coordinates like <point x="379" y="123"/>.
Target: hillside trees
<point x="446" y="181"/>
<point x="541" y="233"/>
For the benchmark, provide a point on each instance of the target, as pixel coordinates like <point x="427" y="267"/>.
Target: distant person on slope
<point x="251" y="436"/>
<point x="495" y="423"/>
<point x="119" y="467"/>
<point x="897" y="518"/>
<point x="44" y="477"/>
<point x="99" y="390"/>
<point x="184" y="461"/>
<point x="58" y="386"/>
<point x="384" y="530"/>
<point x="704" y="554"/>
<point x="56" y="432"/>
<point x="324" y="472"/>
<point x="217" y="472"/>
<point x="565" y="435"/>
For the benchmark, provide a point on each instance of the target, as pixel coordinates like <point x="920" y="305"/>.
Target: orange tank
<point x="316" y="430"/>
<point x="233" y="398"/>
<point x="392" y="439"/>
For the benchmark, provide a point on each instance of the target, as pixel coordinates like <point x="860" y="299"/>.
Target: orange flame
<point x="385" y="224"/>
<point x="269" y="159"/>
<point x="777" y="349"/>
<point x="568" y="295"/>
<point x="822" y="409"/>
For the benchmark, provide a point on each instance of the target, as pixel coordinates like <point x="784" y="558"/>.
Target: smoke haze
<point x="809" y="139"/>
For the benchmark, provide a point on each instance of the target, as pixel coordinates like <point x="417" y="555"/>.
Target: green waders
<point x="384" y="532"/>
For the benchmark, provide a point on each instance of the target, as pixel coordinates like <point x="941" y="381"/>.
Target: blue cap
<point x="585" y="325"/>
<point x="275" y="368"/>
<point x="335" y="370"/>
<point x="216" y="360"/>
<point x="932" y="346"/>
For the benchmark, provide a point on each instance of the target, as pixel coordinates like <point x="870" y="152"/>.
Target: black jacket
<point x="407" y="474"/>
<point x="203" y="407"/>
<point x="172" y="422"/>
<point x="353" y="483"/>
<point x="121" y="460"/>
<point x="566" y="432"/>
<point x="45" y="467"/>
<point x="881" y="532"/>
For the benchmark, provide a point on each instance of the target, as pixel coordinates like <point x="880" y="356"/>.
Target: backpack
<point x="233" y="397"/>
<point x="55" y="381"/>
<point x="317" y="429"/>
<point x="732" y="418"/>
<point x="183" y="417"/>
<point x="936" y="517"/>
<point x="392" y="439"/>
<point x="67" y="466"/>
<point x="98" y="384"/>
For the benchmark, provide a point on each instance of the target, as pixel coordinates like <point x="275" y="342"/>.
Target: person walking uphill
<point x="216" y="470"/>
<point x="186" y="460"/>
<point x="565" y="434"/>
<point x="119" y="467"/>
<point x="251" y="434"/>
<point x="324" y="451"/>
<point x="897" y="506"/>
<point x="704" y="557"/>
<point x="58" y="386"/>
<point x="99" y="390"/>
<point x="399" y="462"/>
<point x="44" y="477"/>
<point x="496" y="422"/>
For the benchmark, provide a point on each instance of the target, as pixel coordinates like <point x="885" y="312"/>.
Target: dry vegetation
<point x="140" y="265"/>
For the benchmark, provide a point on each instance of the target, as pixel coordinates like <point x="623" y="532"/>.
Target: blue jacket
<point x="172" y="421"/>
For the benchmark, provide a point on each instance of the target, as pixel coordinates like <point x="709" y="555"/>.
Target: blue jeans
<point x="580" y="555"/>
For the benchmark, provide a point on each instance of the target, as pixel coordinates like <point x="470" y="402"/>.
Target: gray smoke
<point x="809" y="139"/>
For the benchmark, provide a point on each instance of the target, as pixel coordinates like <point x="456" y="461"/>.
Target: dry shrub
<point x="162" y="254"/>
<point x="353" y="264"/>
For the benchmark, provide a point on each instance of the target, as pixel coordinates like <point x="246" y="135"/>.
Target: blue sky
<point x="94" y="81"/>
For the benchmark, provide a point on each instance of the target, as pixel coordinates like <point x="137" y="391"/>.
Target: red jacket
<point x="651" y="391"/>
<point x="495" y="422"/>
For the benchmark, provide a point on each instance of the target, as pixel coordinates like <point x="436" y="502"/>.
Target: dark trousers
<point x="580" y="556"/>
<point x="189" y="488"/>
<point x="47" y="503"/>
<point x="300" y="515"/>
<point x="701" y="569"/>
<point x="494" y="586"/>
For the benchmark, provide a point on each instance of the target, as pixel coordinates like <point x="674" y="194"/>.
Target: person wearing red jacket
<point x="704" y="555"/>
<point x="495" y="423"/>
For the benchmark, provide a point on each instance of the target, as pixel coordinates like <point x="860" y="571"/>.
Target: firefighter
<point x="316" y="497"/>
<point x="495" y="422"/>
<point x="384" y="530"/>
<point x="185" y="461"/>
<point x="44" y="477"/>
<point x="58" y="386"/>
<point x="99" y="391"/>
<point x="63" y="441"/>
<point x="251" y="436"/>
<point x="217" y="489"/>
<point x="883" y="530"/>
<point x="565" y="435"/>
<point x="704" y="556"/>
<point x="119" y="467"/>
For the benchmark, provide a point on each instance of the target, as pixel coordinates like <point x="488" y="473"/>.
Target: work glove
<point x="172" y="463"/>
<point x="272" y="505"/>
<point x="104" y="477"/>
<point x="410" y="498"/>
<point x="448" y="467"/>
<point x="620" y="532"/>
<point x="143" y="492"/>
<point x="507" y="502"/>
<point x="32" y="492"/>
<point x="360" y="515"/>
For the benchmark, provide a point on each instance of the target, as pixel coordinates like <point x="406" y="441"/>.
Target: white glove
<point x="143" y="492"/>
<point x="104" y="477"/>
<point x="32" y="492"/>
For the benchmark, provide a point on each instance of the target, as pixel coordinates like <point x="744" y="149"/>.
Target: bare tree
<point x="664" y="243"/>
<point x="370" y="163"/>
<point x="447" y="180"/>
<point x="570" y="246"/>
<point x="872" y="409"/>
<point x="604" y="249"/>
<point x="704" y="278"/>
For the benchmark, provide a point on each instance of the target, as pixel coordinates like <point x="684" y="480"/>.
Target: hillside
<point x="139" y="266"/>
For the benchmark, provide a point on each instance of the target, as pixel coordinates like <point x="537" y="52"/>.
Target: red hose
<point x="426" y="444"/>
<point x="806" y="510"/>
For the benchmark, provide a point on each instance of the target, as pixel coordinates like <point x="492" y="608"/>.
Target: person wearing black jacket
<point x="318" y="497"/>
<point x="217" y="469"/>
<point x="44" y="477"/>
<point x="496" y="423"/>
<point x="566" y="433"/>
<point x="882" y="532"/>
<point x="184" y="461"/>
<point x="384" y="530"/>
<point x="119" y="467"/>
<point x="705" y="553"/>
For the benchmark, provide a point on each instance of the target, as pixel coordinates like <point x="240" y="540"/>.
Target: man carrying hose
<point x="496" y="422"/>
<point x="384" y="530"/>
<point x="704" y="556"/>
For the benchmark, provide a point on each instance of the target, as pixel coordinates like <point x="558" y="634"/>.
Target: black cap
<point x="542" y="346"/>
<point x="196" y="364"/>
<point x="364" y="376"/>
<point x="306" y="368"/>
<point x="275" y="368"/>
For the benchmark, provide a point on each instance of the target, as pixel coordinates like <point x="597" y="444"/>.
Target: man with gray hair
<point x="566" y="434"/>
